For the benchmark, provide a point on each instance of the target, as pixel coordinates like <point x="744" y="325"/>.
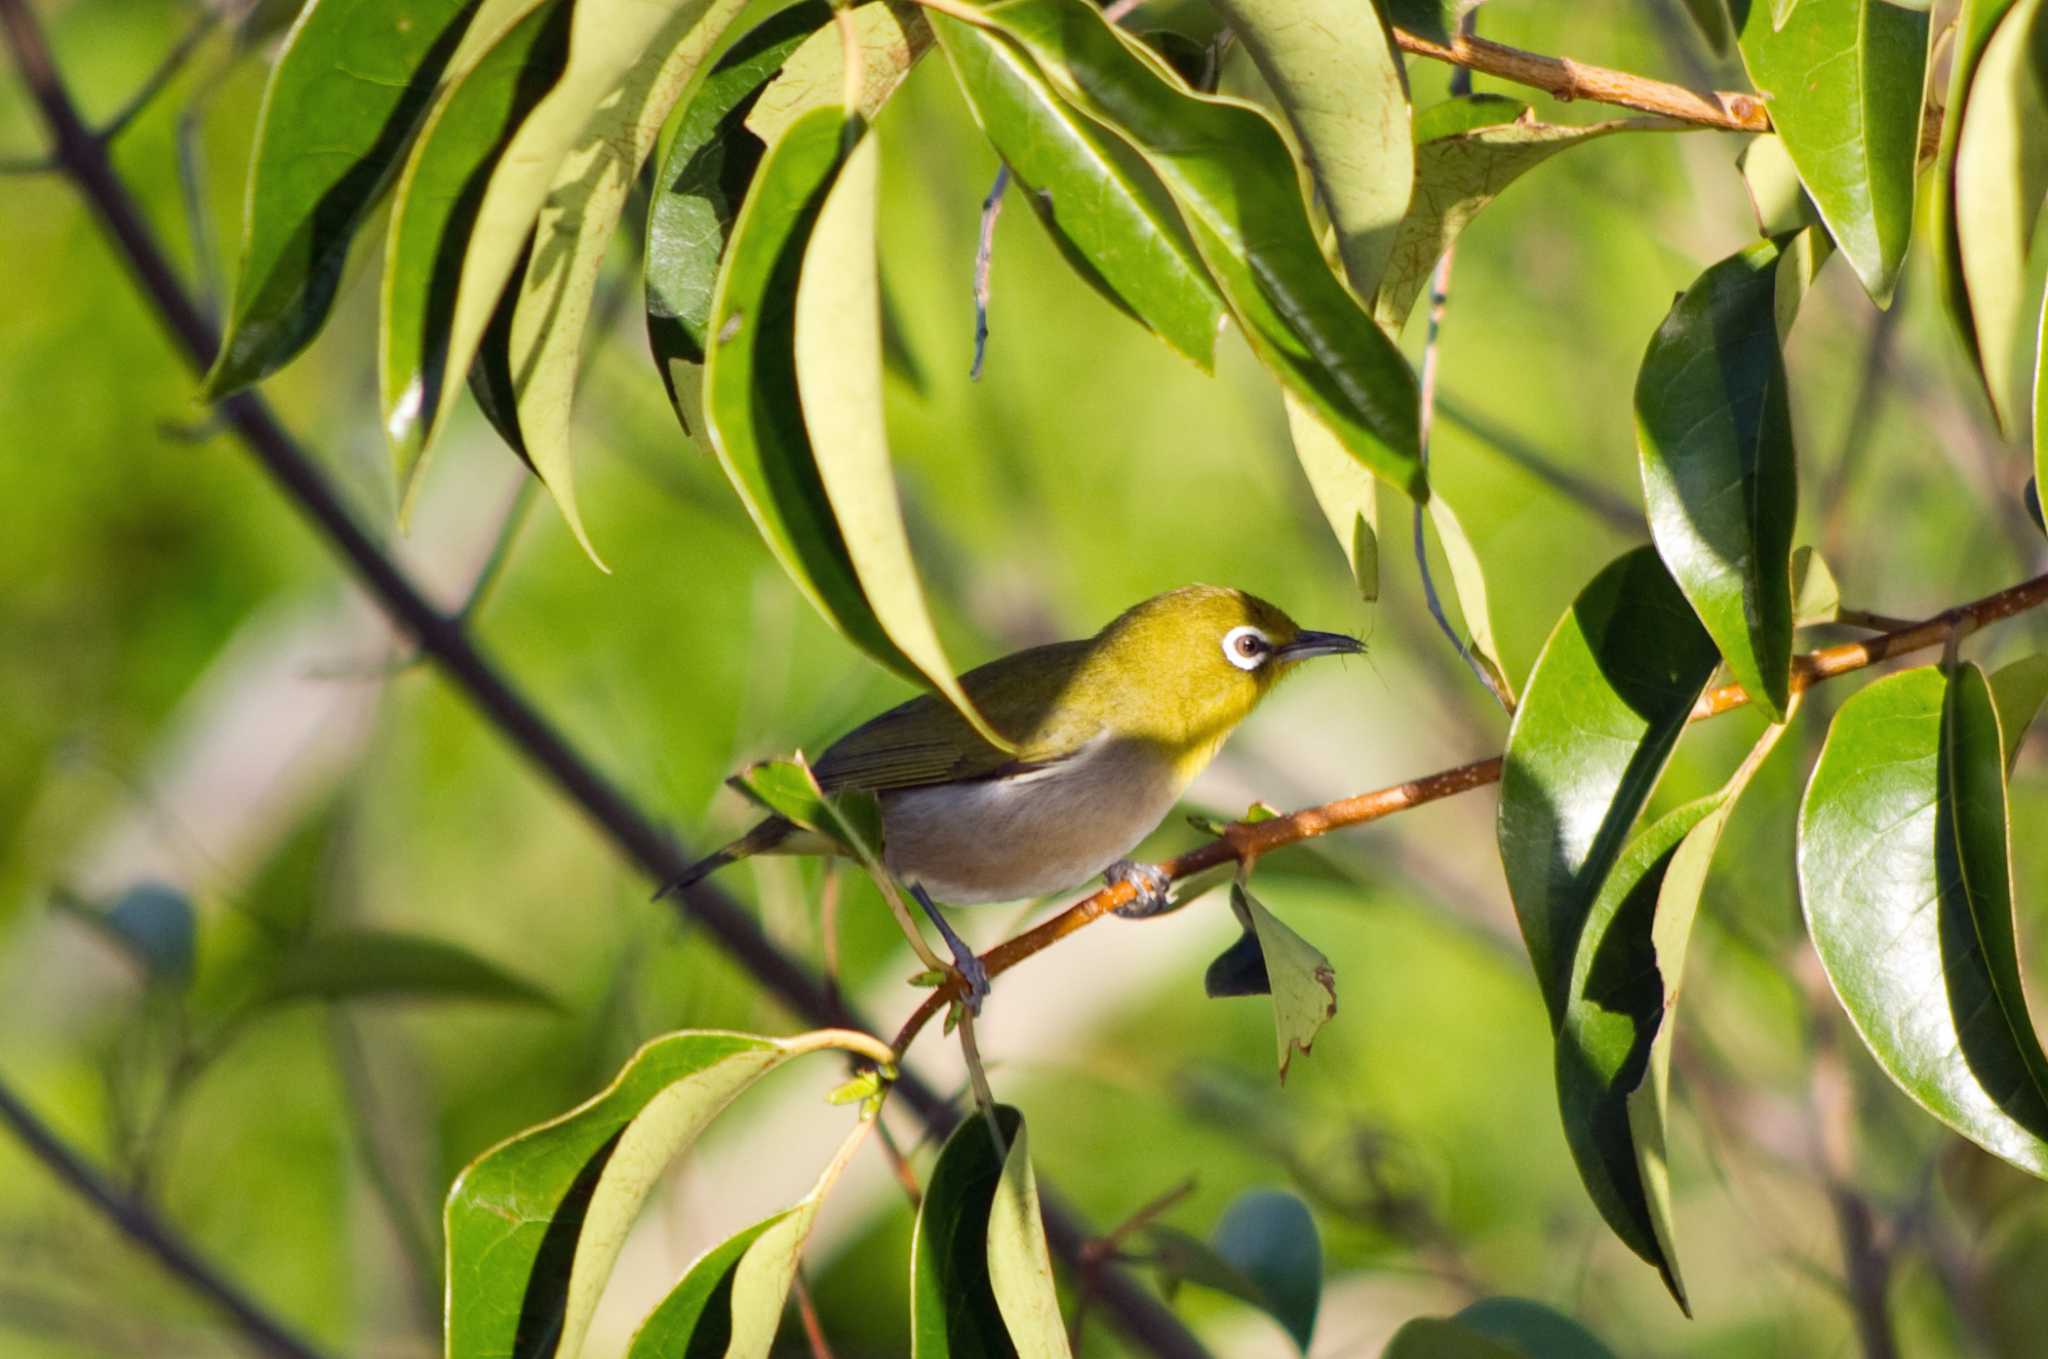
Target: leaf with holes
<point x="535" y="1224"/>
<point x="1843" y="79"/>
<point x="1602" y="712"/>
<point x="1905" y="875"/>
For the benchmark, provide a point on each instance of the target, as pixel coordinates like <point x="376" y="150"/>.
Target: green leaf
<point x="838" y="352"/>
<point x="344" y="96"/>
<point x="1614" y="1045"/>
<point x="1019" y="1264"/>
<point x="702" y="181"/>
<point x="2001" y="175"/>
<point x="1346" y="491"/>
<point x="1436" y="20"/>
<point x="891" y="40"/>
<point x="535" y="1224"/>
<point x="438" y="205"/>
<point x="2040" y="477"/>
<point x="579" y="214"/>
<point x="1333" y="66"/>
<point x="1268" y="1237"/>
<point x="1815" y="596"/>
<point x="1711" y="18"/>
<point x="1232" y="174"/>
<point x="1775" y="193"/>
<point x="954" y="1312"/>
<point x="152" y="922"/>
<point x="1906" y="881"/>
<point x="1714" y="429"/>
<point x="1844" y="79"/>
<point x="351" y="965"/>
<point x="790" y="790"/>
<point x="1468" y="582"/>
<point x="1531" y="1329"/>
<point x="1300" y="979"/>
<point x="1439" y="1338"/>
<point x="1135" y="251"/>
<point x="2019" y="689"/>
<point x="1603" y="710"/>
<point x="729" y="1303"/>
<point x="605" y="68"/>
<point x="1975" y="22"/>
<point x="1468" y="151"/>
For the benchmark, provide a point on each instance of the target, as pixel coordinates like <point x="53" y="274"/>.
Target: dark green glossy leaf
<point x="1268" y="1237"/>
<point x="1711" y="17"/>
<point x="1234" y="178"/>
<point x="1602" y="712"/>
<point x="697" y="192"/>
<point x="1468" y="151"/>
<point x="1440" y="1338"/>
<point x="1844" y="80"/>
<point x="384" y="965"/>
<point x="348" y="88"/>
<point x="152" y="922"/>
<point x="2019" y="689"/>
<point x="1532" y="1329"/>
<point x="2001" y="176"/>
<point x="535" y="1224"/>
<point x="1976" y="20"/>
<point x="1720" y="481"/>
<point x="955" y="1312"/>
<point x="1333" y="66"/>
<point x="1614" y="1046"/>
<point x="1136" y="252"/>
<point x="1905" y="877"/>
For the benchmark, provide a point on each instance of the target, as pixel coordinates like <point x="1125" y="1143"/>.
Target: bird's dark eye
<point x="1250" y="644"/>
<point x="1246" y="648"/>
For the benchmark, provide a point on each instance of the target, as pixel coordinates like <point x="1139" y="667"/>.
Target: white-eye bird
<point x="1109" y="732"/>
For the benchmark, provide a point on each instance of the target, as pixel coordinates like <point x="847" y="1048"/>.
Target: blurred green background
<point x="192" y="692"/>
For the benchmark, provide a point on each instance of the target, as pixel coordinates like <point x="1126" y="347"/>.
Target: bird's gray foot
<point x="1154" y="889"/>
<point x="964" y="962"/>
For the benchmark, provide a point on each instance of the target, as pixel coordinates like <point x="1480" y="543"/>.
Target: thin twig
<point x="140" y="1224"/>
<point x="1243" y="842"/>
<point x="1143" y="1318"/>
<point x="984" y="261"/>
<point x="807" y="1312"/>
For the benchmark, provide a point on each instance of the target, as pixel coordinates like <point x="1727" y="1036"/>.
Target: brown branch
<point x="1245" y="843"/>
<point x="1563" y="78"/>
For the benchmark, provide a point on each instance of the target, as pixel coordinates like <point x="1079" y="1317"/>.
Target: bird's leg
<point x="970" y="968"/>
<point x="1154" y="889"/>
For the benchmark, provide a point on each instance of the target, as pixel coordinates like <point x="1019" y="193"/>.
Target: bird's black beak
<point x="1307" y="644"/>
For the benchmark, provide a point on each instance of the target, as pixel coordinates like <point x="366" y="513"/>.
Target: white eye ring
<point x="1246" y="647"/>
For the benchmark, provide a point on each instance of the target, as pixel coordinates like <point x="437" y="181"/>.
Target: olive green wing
<point x="927" y="741"/>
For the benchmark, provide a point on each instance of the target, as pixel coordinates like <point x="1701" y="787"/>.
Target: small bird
<point x="1109" y="730"/>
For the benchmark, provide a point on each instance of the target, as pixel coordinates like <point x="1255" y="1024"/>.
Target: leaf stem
<point x="1240" y="841"/>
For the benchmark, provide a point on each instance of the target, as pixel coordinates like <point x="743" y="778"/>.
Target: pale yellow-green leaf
<point x="1333" y="66"/>
<point x="760" y="1286"/>
<point x="891" y="37"/>
<point x="1019" y="1266"/>
<point x="1468" y="580"/>
<point x="1304" y="984"/>
<point x="1347" y="492"/>
<point x="1775" y="193"/>
<point x="1815" y="596"/>
<point x="839" y="381"/>
<point x="577" y="221"/>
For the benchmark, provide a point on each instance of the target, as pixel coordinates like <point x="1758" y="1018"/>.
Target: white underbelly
<point x="1006" y="839"/>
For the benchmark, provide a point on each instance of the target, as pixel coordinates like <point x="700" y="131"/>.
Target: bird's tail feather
<point x="759" y="840"/>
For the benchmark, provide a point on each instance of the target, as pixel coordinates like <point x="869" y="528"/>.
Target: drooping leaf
<point x="1019" y="1263"/>
<point x="1333" y="66"/>
<point x="1468" y="581"/>
<point x="1468" y="151"/>
<point x="152" y="922"/>
<point x="697" y="192"/>
<point x="2001" y="176"/>
<point x="1347" y="493"/>
<point x="438" y="206"/>
<point x="535" y="1224"/>
<point x="2019" y="690"/>
<point x="1136" y="252"/>
<point x="1975" y="22"/>
<point x="1230" y="171"/>
<point x="954" y="1313"/>
<point x="347" y="965"/>
<point x="1614" y="1045"/>
<point x="1268" y="1237"/>
<point x="1293" y="971"/>
<point x="838" y="353"/>
<point x="1602" y="711"/>
<point x="492" y="384"/>
<point x="347" y="91"/>
<point x="729" y="1303"/>
<point x="1815" y="596"/>
<point x="602" y="62"/>
<point x="891" y="39"/>
<point x="1905" y="875"/>
<point x="1720" y="482"/>
<point x="1844" y="80"/>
